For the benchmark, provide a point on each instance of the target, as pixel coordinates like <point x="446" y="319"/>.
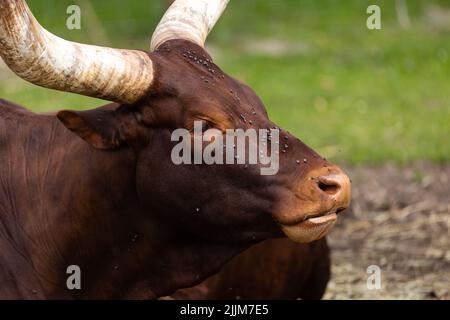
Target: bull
<point x="97" y="188"/>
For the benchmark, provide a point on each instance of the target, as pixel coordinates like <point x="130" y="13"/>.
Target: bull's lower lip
<point x="310" y="229"/>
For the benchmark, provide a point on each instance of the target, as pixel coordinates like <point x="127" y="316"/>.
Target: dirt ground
<point x="399" y="220"/>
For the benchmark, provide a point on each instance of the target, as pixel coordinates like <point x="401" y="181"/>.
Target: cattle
<point x="98" y="189"/>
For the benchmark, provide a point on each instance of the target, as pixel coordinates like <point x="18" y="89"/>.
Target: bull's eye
<point x="205" y="125"/>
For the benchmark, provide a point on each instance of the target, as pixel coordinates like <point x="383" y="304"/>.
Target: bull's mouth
<point x="311" y="227"/>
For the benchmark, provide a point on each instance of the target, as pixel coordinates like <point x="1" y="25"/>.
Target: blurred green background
<point x="355" y="95"/>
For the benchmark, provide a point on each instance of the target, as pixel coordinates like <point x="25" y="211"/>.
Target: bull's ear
<point x="102" y="128"/>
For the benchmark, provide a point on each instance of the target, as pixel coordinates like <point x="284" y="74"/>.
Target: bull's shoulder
<point x="18" y="123"/>
<point x="7" y="107"/>
<point x="15" y="122"/>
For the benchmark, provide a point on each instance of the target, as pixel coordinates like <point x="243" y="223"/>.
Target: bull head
<point x="170" y="87"/>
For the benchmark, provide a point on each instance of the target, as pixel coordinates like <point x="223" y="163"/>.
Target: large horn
<point x="189" y="20"/>
<point x="41" y="58"/>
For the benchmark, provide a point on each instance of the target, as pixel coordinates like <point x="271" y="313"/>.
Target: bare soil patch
<point x="399" y="220"/>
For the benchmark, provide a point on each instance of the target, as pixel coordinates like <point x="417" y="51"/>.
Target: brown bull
<point x="98" y="189"/>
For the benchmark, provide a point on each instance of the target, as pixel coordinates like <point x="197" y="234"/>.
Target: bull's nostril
<point x="334" y="188"/>
<point x="330" y="188"/>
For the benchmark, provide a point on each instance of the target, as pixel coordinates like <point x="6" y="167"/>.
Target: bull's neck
<point x="71" y="204"/>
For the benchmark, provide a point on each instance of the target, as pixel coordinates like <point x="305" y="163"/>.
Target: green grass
<point x="353" y="94"/>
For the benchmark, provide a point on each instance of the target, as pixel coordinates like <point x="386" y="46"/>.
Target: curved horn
<point x="188" y="19"/>
<point x="42" y="58"/>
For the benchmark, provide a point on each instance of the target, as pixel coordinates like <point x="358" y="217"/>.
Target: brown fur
<point x="273" y="269"/>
